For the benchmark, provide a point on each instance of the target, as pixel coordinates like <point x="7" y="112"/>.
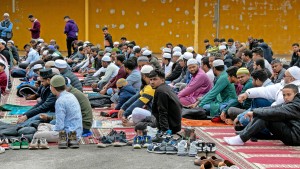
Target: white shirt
<point x="168" y="69"/>
<point x="211" y="76"/>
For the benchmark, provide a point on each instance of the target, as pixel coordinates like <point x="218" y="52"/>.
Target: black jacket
<point x="288" y="113"/>
<point x="176" y="71"/>
<point x="5" y="53"/>
<point x="166" y="109"/>
<point x="268" y="53"/>
<point x="47" y="103"/>
<point x="74" y="79"/>
<point x="294" y="59"/>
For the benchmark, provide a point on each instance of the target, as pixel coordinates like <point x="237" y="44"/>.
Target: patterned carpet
<point x="269" y="154"/>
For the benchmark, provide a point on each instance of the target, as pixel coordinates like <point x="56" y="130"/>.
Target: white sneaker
<point x="2" y="150"/>
<point x="193" y="149"/>
<point x="182" y="148"/>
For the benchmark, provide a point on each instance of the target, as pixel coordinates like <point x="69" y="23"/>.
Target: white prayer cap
<point x="187" y="55"/>
<point x="167" y="55"/>
<point x="106" y="58"/>
<point x="177" y="49"/>
<point x="295" y="72"/>
<point x="59" y="63"/>
<point x="190" y="49"/>
<point x="192" y="62"/>
<point x="146" y="69"/>
<point x="222" y="47"/>
<point x="218" y="62"/>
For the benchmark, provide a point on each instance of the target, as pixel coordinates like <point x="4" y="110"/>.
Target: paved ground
<point x="89" y="156"/>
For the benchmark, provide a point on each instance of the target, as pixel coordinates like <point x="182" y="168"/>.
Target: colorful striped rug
<point x="269" y="154"/>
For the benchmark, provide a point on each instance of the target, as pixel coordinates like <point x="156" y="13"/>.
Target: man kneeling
<point x="283" y="121"/>
<point x="68" y="128"/>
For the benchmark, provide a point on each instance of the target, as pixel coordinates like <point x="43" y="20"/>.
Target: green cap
<point x="57" y="81"/>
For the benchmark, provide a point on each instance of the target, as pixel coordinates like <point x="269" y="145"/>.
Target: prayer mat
<point x="200" y="123"/>
<point x="269" y="154"/>
<point x="15" y="109"/>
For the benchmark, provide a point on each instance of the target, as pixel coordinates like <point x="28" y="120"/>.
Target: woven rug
<point x="270" y="154"/>
<point x="200" y="123"/>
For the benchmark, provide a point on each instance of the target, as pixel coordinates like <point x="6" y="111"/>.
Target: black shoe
<point x="239" y="128"/>
<point x="73" y="142"/>
<point x="62" y="141"/>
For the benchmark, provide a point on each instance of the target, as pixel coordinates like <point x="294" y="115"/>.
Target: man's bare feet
<point x="229" y="121"/>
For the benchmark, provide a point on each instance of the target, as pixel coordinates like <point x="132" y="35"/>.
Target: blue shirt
<point x="134" y="79"/>
<point x="68" y="114"/>
<point x="33" y="56"/>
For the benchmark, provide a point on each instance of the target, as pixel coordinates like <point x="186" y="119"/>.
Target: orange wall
<point x="156" y="22"/>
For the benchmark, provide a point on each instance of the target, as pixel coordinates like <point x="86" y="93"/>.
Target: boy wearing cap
<point x="3" y="77"/>
<point x="210" y="102"/>
<point x="167" y="64"/>
<point x="67" y="113"/>
<point x="197" y="87"/>
<point x="244" y="78"/>
<point x="6" y="28"/>
<point x="126" y="91"/>
<point x="143" y="99"/>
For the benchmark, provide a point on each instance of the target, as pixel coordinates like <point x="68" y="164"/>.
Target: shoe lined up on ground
<point x="67" y="140"/>
<point x="4" y="143"/>
<point x="141" y="142"/>
<point x="38" y="144"/>
<point x="2" y="150"/>
<point x="113" y="138"/>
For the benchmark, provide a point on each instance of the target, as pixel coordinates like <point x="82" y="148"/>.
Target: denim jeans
<point x="33" y="119"/>
<point x="256" y="103"/>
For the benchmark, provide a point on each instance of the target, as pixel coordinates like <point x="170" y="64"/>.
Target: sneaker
<point x="34" y="145"/>
<point x="24" y="143"/>
<point x="2" y="150"/>
<point x="43" y="144"/>
<point x="104" y="142"/>
<point x="62" y="140"/>
<point x="159" y="148"/>
<point x="4" y="143"/>
<point x="193" y="149"/>
<point x="72" y="140"/>
<point x="120" y="139"/>
<point x="158" y="138"/>
<point x="182" y="148"/>
<point x="15" y="145"/>
<point x="107" y="140"/>
<point x="147" y="141"/>
<point x="201" y="149"/>
<point x="137" y="142"/>
<point x="171" y="148"/>
<point x="210" y="149"/>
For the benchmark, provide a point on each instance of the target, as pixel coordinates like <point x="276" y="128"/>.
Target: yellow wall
<point x="156" y="22"/>
<point x="276" y="21"/>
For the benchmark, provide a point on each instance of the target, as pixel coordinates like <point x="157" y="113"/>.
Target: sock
<point x="234" y="141"/>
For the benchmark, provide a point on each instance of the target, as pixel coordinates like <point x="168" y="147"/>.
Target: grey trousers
<point x="233" y="112"/>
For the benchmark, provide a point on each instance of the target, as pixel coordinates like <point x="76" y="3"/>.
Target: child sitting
<point x="283" y="121"/>
<point x="126" y="91"/>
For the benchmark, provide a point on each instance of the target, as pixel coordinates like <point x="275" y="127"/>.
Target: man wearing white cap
<point x="221" y="87"/>
<point x="6" y="28"/>
<point x="4" y="51"/>
<point x="177" y="49"/>
<point x="111" y="71"/>
<point x="184" y="77"/>
<point x="141" y="99"/>
<point x="274" y="92"/>
<point x="227" y="55"/>
<point x="152" y="59"/>
<point x="167" y="63"/>
<point x="196" y="56"/>
<point x="176" y="68"/>
<point x="62" y="66"/>
<point x="197" y="87"/>
<point x="11" y="46"/>
<point x="116" y="44"/>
